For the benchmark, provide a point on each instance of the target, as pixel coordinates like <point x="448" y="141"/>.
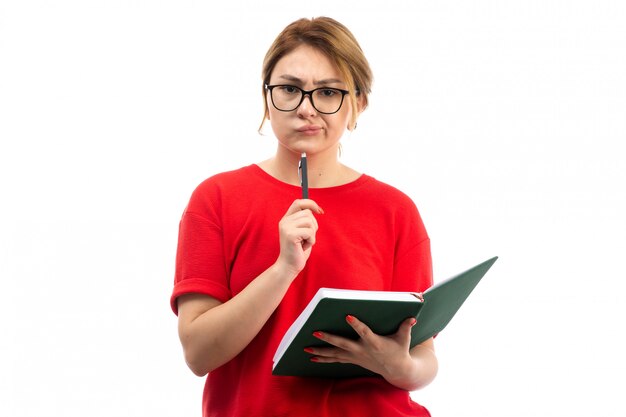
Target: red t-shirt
<point x="370" y="237"/>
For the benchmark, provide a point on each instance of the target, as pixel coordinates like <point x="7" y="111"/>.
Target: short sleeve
<point x="412" y="270"/>
<point x="200" y="261"/>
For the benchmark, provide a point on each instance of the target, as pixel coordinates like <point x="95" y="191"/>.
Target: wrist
<point x="283" y="271"/>
<point x="402" y="372"/>
<point x="416" y="372"/>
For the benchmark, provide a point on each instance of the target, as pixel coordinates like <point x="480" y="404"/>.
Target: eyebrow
<point x="320" y="82"/>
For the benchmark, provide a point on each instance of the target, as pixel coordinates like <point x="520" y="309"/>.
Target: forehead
<point x="306" y="63"/>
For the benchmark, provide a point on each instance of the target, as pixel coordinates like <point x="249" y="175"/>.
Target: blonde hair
<point x="336" y="42"/>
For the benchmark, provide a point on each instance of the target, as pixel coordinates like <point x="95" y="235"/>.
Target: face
<point x="305" y="129"/>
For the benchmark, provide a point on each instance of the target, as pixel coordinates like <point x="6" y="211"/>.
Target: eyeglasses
<point x="289" y="97"/>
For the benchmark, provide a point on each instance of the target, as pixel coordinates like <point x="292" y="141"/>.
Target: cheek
<point x="277" y="122"/>
<point x="343" y="122"/>
<point x="346" y="114"/>
<point x="274" y="116"/>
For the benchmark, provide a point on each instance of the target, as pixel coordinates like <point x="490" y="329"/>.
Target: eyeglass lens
<point x="324" y="100"/>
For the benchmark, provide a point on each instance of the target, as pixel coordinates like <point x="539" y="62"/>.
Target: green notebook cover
<point x="327" y="313"/>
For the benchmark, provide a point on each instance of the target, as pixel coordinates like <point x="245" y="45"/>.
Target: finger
<point x="308" y="240"/>
<point x="329" y="355"/>
<point x="409" y="323"/>
<point x="338" y="341"/>
<point x="327" y="352"/>
<point x="304" y="204"/>
<point x="324" y="359"/>
<point x="404" y="332"/>
<point x="304" y="218"/>
<point x="298" y="227"/>
<point x="360" y="328"/>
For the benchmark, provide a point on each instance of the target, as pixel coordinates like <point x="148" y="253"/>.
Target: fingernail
<point x="413" y="322"/>
<point x="349" y="318"/>
<point x="308" y="350"/>
<point x="321" y="210"/>
<point x="314" y="359"/>
<point x="319" y="335"/>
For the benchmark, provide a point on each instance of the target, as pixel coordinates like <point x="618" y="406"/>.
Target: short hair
<point x="335" y="41"/>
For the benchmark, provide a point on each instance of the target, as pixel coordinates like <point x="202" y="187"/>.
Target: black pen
<point x="304" y="177"/>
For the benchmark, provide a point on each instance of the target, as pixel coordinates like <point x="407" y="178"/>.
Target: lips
<point x="309" y="129"/>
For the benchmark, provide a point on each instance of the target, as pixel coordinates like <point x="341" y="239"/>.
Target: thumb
<point x="405" y="328"/>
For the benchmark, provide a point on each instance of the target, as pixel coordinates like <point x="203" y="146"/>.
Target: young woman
<point x="252" y="253"/>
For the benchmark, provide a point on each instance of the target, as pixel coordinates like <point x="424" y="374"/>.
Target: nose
<point x="306" y="109"/>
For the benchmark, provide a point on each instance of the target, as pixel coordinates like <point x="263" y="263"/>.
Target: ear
<point x="267" y="107"/>
<point x="360" y="104"/>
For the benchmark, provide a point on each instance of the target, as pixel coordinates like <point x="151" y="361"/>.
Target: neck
<point x="324" y="169"/>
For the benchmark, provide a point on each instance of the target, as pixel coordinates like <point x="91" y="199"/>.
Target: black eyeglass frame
<point x="304" y="94"/>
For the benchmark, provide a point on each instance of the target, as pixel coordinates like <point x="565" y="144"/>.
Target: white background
<point x="503" y="120"/>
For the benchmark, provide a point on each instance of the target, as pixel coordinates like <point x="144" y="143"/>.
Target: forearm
<point x="216" y="336"/>
<point x="417" y="370"/>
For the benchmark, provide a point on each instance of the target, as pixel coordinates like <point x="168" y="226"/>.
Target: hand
<point x="388" y="356"/>
<point x="297" y="231"/>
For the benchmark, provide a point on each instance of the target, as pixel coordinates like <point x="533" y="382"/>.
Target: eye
<point x="328" y="92"/>
<point x="288" y="89"/>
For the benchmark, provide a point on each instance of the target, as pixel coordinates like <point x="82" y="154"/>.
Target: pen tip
<point x="303" y="155"/>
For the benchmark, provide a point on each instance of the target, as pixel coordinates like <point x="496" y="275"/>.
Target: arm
<point x="211" y="332"/>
